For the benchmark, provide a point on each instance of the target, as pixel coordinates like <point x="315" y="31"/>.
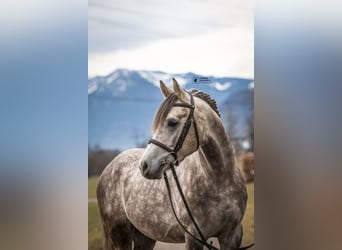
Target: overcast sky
<point x="206" y="37"/>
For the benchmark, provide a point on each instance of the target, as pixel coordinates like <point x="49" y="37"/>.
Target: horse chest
<point x="149" y="211"/>
<point x="153" y="218"/>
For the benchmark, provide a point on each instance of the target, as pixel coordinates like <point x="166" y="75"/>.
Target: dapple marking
<point x="133" y="203"/>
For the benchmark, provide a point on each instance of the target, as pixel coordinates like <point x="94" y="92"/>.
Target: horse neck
<point x="217" y="153"/>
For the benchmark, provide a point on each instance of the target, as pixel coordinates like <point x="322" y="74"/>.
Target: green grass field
<point x="94" y="222"/>
<point x="248" y="220"/>
<point x="92" y="187"/>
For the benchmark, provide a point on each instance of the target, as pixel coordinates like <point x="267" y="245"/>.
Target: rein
<point x="202" y="240"/>
<point x="190" y="120"/>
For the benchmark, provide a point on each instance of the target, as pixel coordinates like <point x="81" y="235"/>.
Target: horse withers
<point x="133" y="198"/>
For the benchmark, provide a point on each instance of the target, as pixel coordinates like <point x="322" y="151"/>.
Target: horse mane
<point x="207" y="98"/>
<point x="167" y="104"/>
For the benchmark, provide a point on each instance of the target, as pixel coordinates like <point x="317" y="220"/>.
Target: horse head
<point x="175" y="132"/>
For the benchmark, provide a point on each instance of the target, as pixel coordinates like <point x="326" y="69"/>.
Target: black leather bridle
<point x="190" y="120"/>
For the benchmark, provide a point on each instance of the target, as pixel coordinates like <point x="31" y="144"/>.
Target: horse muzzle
<point x="147" y="171"/>
<point x="153" y="173"/>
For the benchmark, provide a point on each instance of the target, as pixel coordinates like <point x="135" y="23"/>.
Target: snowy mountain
<point x="122" y="104"/>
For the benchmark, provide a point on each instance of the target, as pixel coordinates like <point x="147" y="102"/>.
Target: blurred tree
<point x="99" y="158"/>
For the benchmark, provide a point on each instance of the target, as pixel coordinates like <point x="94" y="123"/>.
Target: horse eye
<point x="172" y="123"/>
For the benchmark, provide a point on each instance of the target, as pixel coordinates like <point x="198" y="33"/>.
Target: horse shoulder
<point x="108" y="187"/>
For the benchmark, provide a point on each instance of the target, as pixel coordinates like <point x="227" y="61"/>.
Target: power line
<point x="125" y="25"/>
<point x="149" y="15"/>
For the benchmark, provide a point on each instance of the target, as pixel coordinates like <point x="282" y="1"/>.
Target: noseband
<point x="190" y="120"/>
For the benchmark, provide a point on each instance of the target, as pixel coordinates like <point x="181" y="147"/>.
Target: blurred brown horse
<point x="134" y="205"/>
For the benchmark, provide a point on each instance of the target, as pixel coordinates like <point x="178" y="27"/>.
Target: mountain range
<point x="121" y="105"/>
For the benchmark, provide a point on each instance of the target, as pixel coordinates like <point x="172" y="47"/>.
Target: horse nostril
<point x="144" y="167"/>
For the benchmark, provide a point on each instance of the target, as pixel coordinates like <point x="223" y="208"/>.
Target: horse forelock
<point x="163" y="110"/>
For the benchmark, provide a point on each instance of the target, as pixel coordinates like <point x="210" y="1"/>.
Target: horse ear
<point x="178" y="89"/>
<point x="165" y="90"/>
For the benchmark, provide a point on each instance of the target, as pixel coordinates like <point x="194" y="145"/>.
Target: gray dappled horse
<point x="133" y="198"/>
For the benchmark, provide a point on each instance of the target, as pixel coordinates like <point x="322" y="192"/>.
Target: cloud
<point x="226" y="52"/>
<point x="115" y="24"/>
<point x="223" y="86"/>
